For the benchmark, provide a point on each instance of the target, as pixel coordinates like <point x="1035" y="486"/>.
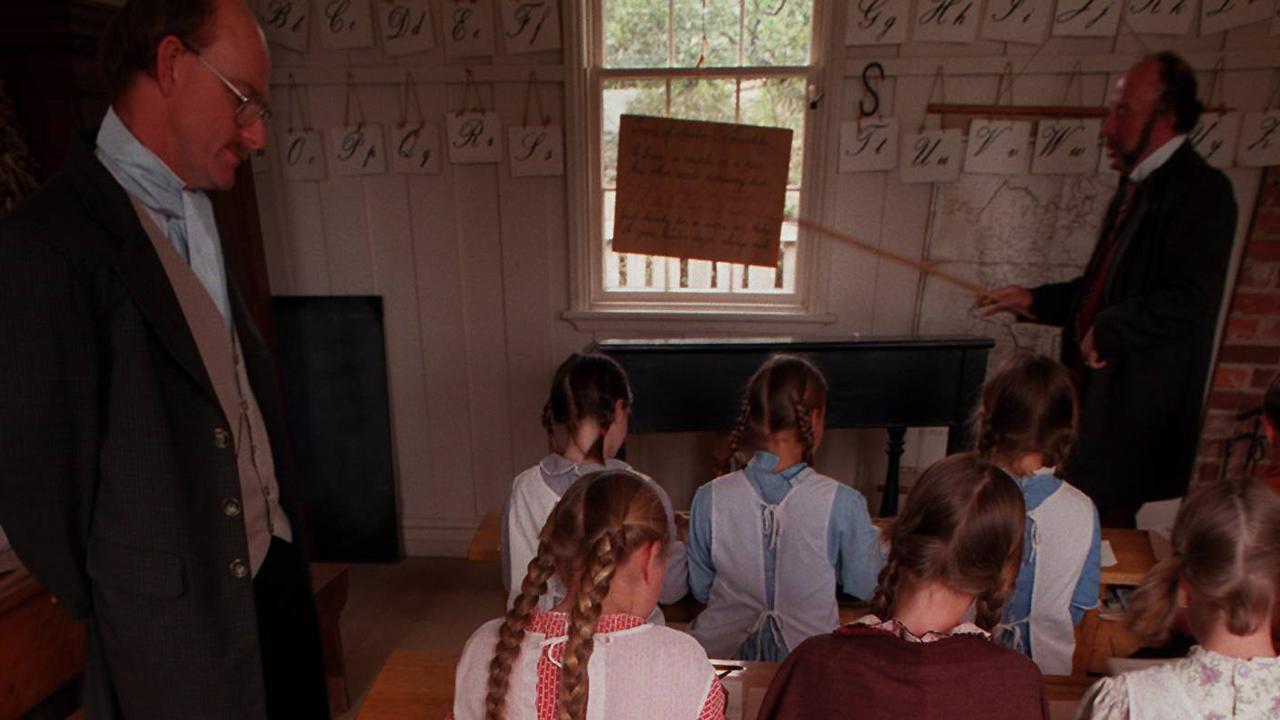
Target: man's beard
<point x="1129" y="160"/>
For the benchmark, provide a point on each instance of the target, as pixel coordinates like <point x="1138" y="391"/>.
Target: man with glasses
<point x="144" y="475"/>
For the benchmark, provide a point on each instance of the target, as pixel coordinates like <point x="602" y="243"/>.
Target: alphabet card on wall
<point x="415" y="149"/>
<point x="286" y="23"/>
<point x="1219" y="15"/>
<point x="1214" y="137"/>
<point x="473" y="137"/>
<point x="1020" y="21"/>
<point x="931" y="156"/>
<point x="1086" y="18"/>
<point x="530" y="25"/>
<point x="953" y="21"/>
<point x="345" y="24"/>
<point x="1259" y="139"/>
<point x="405" y="26"/>
<point x="303" y="155"/>
<point x="868" y="145"/>
<point x="1160" y="17"/>
<point x="997" y="147"/>
<point x="468" y="28"/>
<point x="1066" y="147"/>
<point x="536" y="150"/>
<point x="357" y="150"/>
<point x="877" y="22"/>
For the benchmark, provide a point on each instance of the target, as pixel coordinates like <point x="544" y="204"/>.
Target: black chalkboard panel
<point x="334" y="368"/>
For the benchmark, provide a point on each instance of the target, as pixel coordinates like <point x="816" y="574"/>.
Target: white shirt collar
<point x="1153" y="162"/>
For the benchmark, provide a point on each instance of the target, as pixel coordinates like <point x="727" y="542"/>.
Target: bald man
<point x="143" y="464"/>
<point x="1138" y="326"/>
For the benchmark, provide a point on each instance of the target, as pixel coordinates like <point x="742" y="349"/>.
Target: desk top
<point x="789" y="344"/>
<point x="418" y="685"/>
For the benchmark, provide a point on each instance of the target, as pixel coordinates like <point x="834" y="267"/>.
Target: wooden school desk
<point x="418" y="685"/>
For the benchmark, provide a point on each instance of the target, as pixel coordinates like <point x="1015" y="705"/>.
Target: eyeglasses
<point x="250" y="109"/>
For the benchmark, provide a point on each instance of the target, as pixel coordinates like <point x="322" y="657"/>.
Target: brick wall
<point x="1250" y="354"/>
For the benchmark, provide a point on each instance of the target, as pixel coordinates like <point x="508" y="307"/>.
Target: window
<point x="742" y="61"/>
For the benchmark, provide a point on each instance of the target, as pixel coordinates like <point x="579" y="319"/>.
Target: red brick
<point x="1266" y="223"/>
<point x="1269" y="193"/>
<point x="1218" y="424"/>
<point x="1256" y="303"/>
<point x="1262" y="249"/>
<point x="1262" y="378"/>
<point x="1234" y="399"/>
<point x="1231" y="378"/>
<point x="1249" y="354"/>
<point x="1239" y="328"/>
<point x="1255" y="274"/>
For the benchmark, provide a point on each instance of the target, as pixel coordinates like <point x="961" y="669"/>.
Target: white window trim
<point x="588" y="301"/>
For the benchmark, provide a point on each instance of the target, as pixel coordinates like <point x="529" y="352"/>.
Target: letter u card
<point x="472" y="137"/>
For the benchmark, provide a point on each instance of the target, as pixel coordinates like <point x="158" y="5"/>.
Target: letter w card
<point x="1066" y="147"/>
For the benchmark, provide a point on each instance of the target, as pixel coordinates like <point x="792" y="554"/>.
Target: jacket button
<point x="221" y="439"/>
<point x="238" y="568"/>
<point x="231" y="507"/>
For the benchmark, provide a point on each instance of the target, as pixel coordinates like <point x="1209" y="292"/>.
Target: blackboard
<point x="334" y="370"/>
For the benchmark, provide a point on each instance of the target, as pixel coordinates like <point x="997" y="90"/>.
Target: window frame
<point x="585" y="80"/>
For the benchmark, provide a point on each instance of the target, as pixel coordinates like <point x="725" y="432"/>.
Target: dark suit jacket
<point x="111" y="482"/>
<point x="1140" y="415"/>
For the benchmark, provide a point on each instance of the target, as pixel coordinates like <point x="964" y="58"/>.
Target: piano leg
<point x="889" y="501"/>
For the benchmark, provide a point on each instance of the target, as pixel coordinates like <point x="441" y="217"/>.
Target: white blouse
<point x="1203" y="684"/>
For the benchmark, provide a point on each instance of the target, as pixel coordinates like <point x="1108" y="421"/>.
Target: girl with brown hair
<point x="955" y="546"/>
<point x="1026" y="424"/>
<point x="593" y="656"/>
<point x="770" y="542"/>
<point x="585" y="418"/>
<point x="1224" y="576"/>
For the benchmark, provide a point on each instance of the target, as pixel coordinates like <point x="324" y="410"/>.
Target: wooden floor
<point x="417" y="604"/>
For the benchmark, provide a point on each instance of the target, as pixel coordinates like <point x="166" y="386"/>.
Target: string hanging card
<point x="356" y="147"/>
<point x="1260" y="132"/>
<point x="1067" y="146"/>
<point x="870" y="143"/>
<point x="877" y="23"/>
<point x="405" y="26"/>
<point x="472" y="133"/>
<point x="1018" y="21"/>
<point x="1087" y="18"/>
<point x="285" y="23"/>
<point x="529" y="27"/>
<point x="1217" y="16"/>
<point x="535" y="150"/>
<point x="1158" y="18"/>
<point x="415" y="145"/>
<point x="930" y="156"/>
<point x="467" y="28"/>
<point x="995" y="146"/>
<point x="345" y="25"/>
<point x="1215" y="136"/>
<point x="302" y="151"/>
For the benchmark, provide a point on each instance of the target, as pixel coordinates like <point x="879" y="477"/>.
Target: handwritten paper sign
<point x="303" y="155"/>
<point x="1087" y="18"/>
<point x="345" y="24"/>
<point x="1020" y="21"/>
<point x="997" y="147"/>
<point x="530" y="25"/>
<point x="711" y="191"/>
<point x="262" y="158"/>
<point x="1259" y="139"/>
<point x="415" y="149"/>
<point x="954" y="21"/>
<point x="1219" y="15"/>
<point x="405" y="26"/>
<point x="1160" y="17"/>
<point x="931" y="156"/>
<point x="1066" y="147"/>
<point x="285" y="23"/>
<point x="536" y="150"/>
<point x="877" y="22"/>
<point x="868" y="145"/>
<point x="468" y="28"/>
<point x="473" y="137"/>
<point x="1214" y="137"/>
<point x="357" y="150"/>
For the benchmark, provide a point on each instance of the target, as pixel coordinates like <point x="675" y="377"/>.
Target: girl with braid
<point x="585" y="419"/>
<point x="772" y="541"/>
<point x="1026" y="423"/>
<point x="954" y="550"/>
<point x="1223" y="579"/>
<point x="593" y="656"/>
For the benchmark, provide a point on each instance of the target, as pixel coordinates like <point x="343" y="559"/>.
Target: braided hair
<point x="585" y="386"/>
<point x="962" y="526"/>
<point x="1027" y="406"/>
<point x="780" y="396"/>
<point x="602" y="519"/>
<point x="1226" y="547"/>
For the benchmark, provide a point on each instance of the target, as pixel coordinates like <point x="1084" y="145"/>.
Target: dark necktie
<point x="1095" y="276"/>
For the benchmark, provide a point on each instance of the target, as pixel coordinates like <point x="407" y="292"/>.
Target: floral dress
<point x="1204" y="685"/>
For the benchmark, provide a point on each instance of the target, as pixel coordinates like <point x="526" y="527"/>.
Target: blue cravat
<point x="188" y="216"/>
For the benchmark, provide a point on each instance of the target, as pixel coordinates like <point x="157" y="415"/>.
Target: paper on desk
<point x="1108" y="555"/>
<point x="1157" y="519"/>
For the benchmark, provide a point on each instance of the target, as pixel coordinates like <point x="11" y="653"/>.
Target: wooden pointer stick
<point x="927" y="268"/>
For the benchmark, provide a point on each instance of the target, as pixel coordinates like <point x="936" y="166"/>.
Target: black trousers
<point x="289" y="632"/>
